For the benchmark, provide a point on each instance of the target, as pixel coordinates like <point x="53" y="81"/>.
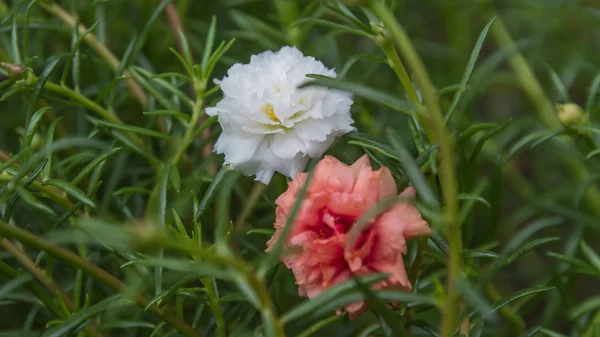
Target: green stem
<point x="104" y="113"/>
<point x="213" y="299"/>
<point x="414" y="268"/>
<point x="544" y="108"/>
<point x="94" y="271"/>
<point x="435" y="118"/>
<point x="396" y="64"/>
<point x="53" y="193"/>
<point x="257" y="283"/>
<point x="524" y="74"/>
<point x="188" y="137"/>
<point x="34" y="287"/>
<point x="253" y="198"/>
<point x="84" y="101"/>
<point x="40" y="275"/>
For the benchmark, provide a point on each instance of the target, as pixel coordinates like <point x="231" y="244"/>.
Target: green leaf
<point x="505" y="301"/>
<point x="531" y="332"/>
<point x="174" y="179"/>
<point x="395" y="325"/>
<point x="49" y="140"/>
<point x="167" y="113"/>
<point x="30" y="179"/>
<point x="372" y="143"/>
<point x="185" y="60"/>
<point x="481" y="142"/>
<point x="84" y="315"/>
<point x="165" y="295"/>
<point x="532" y="140"/>
<point x="261" y="231"/>
<point x="590" y="255"/>
<point x="305" y="308"/>
<point x="132" y="190"/>
<point x="528" y="247"/>
<point x="211" y="191"/>
<point x="134" y="129"/>
<point x="129" y="325"/>
<point x="592" y="153"/>
<point x="425" y="326"/>
<point x="551" y="333"/>
<point x="71" y="190"/>
<point x="576" y="264"/>
<point x="584" y="187"/>
<point x="141" y="79"/>
<point x="14" y="42"/>
<point x="178" y="224"/>
<point x="33" y="125"/>
<point x="127" y="56"/>
<point x="412" y="170"/>
<point x="275" y="254"/>
<point x="320" y="325"/>
<point x="586" y="306"/>
<point x="341" y="9"/>
<point x="13" y="284"/>
<point x="563" y="92"/>
<point x="32" y="201"/>
<point x="141" y="39"/>
<point x="93" y="164"/>
<point x="469" y="69"/>
<point x="334" y="25"/>
<point x="26" y="30"/>
<point x="171" y="88"/>
<point x="208" y="46"/>
<point x="187" y="267"/>
<point x="362" y="91"/>
<point x="41" y="81"/>
<point x="590" y="104"/>
<point x="515" y="243"/>
<point x="216" y="56"/>
<point x="473" y="297"/>
<point x="467" y="196"/>
<point x="474" y="129"/>
<point x="136" y="148"/>
<point x="252" y="24"/>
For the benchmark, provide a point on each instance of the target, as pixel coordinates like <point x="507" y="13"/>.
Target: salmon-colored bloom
<point x="339" y="195"/>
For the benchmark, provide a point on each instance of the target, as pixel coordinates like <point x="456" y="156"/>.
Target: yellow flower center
<point x="268" y="110"/>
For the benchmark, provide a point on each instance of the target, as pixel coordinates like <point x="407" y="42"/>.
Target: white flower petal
<point x="269" y="125"/>
<point x="237" y="150"/>
<point x="287" y="145"/>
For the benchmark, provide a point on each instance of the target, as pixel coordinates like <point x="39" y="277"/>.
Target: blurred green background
<point x="559" y="40"/>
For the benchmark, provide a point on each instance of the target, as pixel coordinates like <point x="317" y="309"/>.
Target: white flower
<point x="269" y="125"/>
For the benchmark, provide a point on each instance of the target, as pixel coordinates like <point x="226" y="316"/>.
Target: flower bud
<point x="382" y="36"/>
<point x="14" y="70"/>
<point x="571" y="114"/>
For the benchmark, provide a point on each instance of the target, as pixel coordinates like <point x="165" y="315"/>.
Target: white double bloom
<point x="269" y="124"/>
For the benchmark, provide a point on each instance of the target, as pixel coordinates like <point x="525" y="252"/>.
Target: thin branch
<point x="39" y="274"/>
<point x="177" y="26"/>
<point x="96" y="272"/>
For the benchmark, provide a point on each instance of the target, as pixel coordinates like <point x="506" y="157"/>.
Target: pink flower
<point x="337" y="197"/>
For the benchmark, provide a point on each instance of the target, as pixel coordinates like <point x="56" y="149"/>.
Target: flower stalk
<point x="447" y="175"/>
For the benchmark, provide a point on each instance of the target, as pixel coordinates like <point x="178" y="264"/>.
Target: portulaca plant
<point x="269" y="124"/>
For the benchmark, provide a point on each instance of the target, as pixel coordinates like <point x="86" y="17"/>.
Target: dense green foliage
<point x="117" y="221"/>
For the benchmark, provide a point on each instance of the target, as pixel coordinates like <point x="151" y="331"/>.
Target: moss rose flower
<point x="269" y="124"/>
<point x="338" y="195"/>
